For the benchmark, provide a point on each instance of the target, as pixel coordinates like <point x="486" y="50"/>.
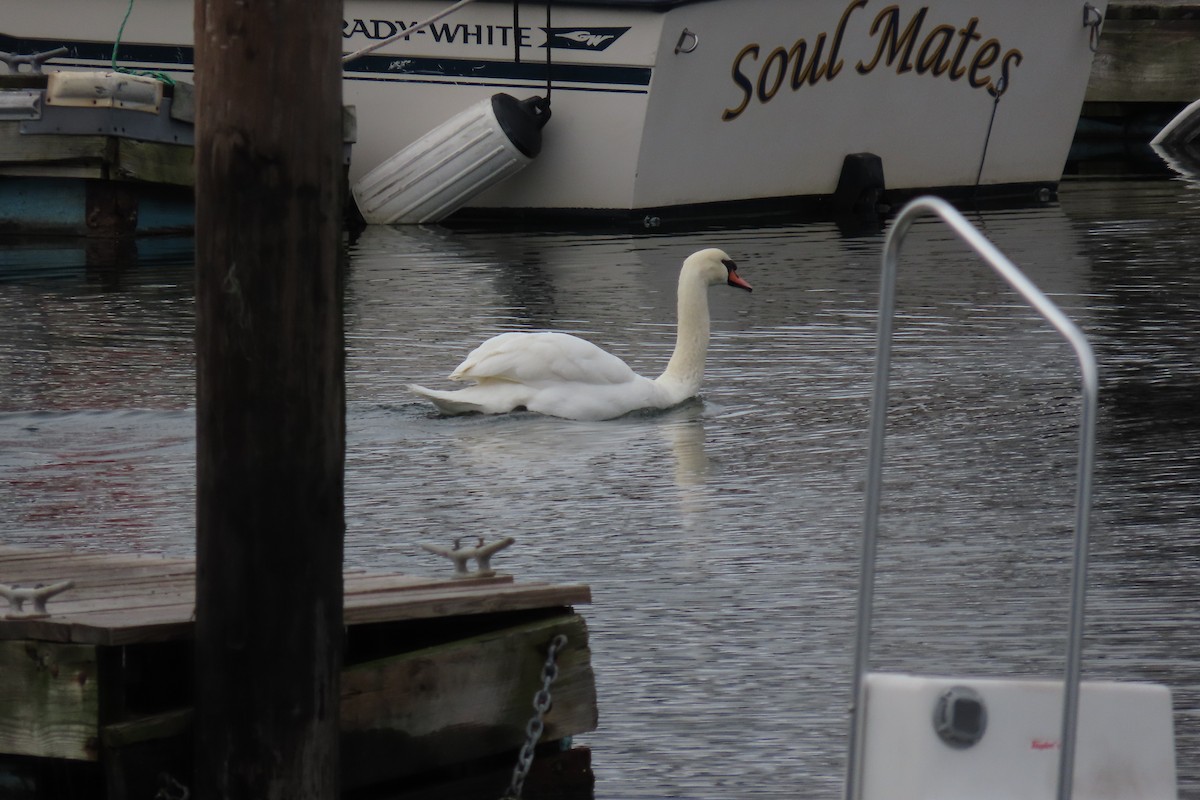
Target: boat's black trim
<point x="758" y="211"/>
<point x="150" y="54"/>
<point x="486" y="70"/>
<point x="503" y="85"/>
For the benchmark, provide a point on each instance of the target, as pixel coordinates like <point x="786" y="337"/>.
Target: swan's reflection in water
<point x="565" y="461"/>
<point x="701" y="540"/>
<point x="685" y="437"/>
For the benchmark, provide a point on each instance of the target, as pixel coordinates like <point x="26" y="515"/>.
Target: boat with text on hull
<point x="661" y="108"/>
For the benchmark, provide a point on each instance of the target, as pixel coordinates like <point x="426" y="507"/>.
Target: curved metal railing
<point x="924" y="206"/>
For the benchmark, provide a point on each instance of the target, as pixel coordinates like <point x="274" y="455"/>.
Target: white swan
<point x="565" y="376"/>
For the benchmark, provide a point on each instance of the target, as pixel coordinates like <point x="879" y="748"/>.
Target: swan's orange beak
<point x="736" y="280"/>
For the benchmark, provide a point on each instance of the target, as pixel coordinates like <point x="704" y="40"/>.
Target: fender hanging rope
<point x="159" y="76"/>
<point x="517" y="42"/>
<point x="549" y="38"/>
<point x="995" y="91"/>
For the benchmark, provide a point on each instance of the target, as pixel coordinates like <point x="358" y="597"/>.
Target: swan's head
<point x="715" y="266"/>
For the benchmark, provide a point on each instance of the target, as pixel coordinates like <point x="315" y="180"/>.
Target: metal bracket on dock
<point x="20" y="104"/>
<point x="16" y="597"/>
<point x="482" y="553"/>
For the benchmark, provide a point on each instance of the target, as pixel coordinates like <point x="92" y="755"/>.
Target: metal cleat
<point x="16" y="597"/>
<point x="35" y="61"/>
<point x="460" y="556"/>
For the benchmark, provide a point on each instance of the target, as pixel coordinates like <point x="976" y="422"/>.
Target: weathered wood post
<point x="270" y="410"/>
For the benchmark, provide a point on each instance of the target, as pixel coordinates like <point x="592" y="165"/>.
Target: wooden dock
<point x="436" y="692"/>
<point x="108" y="169"/>
<point x="1149" y="52"/>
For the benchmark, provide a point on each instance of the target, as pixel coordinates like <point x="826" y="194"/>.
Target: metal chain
<point x="170" y="789"/>
<point x="533" y="731"/>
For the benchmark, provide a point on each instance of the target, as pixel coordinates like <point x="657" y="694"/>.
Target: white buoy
<point x="440" y="172"/>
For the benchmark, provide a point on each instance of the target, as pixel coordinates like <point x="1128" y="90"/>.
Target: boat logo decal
<point x="906" y="42"/>
<point x="584" y="38"/>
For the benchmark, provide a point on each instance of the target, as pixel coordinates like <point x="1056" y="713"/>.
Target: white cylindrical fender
<point x="440" y="172"/>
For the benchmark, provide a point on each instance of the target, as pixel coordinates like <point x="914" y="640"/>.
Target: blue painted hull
<point x="67" y="207"/>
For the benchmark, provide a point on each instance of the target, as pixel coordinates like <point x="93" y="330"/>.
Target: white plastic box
<point x="1124" y="744"/>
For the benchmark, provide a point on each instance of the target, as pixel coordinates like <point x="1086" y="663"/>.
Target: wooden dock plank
<point x="379" y="582"/>
<point x="54" y="564"/>
<point x="98" y="580"/>
<point x="126" y="599"/>
<point x="16" y="147"/>
<point x="462" y="700"/>
<point x="109" y="155"/>
<point x="155" y="162"/>
<point x="464" y="601"/>
<point x="111" y="627"/>
<point x="50" y="698"/>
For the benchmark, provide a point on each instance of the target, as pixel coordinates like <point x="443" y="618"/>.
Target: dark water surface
<point x="720" y="538"/>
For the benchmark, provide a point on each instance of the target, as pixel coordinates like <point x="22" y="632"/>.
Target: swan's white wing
<point x="493" y="397"/>
<point x="540" y="358"/>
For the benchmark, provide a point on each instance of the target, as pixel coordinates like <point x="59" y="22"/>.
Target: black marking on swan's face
<point x="733" y="279"/>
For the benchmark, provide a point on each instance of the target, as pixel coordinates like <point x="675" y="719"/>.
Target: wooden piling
<point x="270" y="399"/>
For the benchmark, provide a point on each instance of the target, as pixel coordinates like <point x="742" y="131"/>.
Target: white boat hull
<point x="666" y="106"/>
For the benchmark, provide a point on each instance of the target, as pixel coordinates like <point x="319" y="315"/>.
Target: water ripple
<point x="720" y="537"/>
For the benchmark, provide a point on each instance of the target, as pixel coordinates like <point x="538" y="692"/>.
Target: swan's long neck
<point x="685" y="370"/>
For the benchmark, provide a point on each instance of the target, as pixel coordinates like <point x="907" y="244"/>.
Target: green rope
<point x="161" y="76"/>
